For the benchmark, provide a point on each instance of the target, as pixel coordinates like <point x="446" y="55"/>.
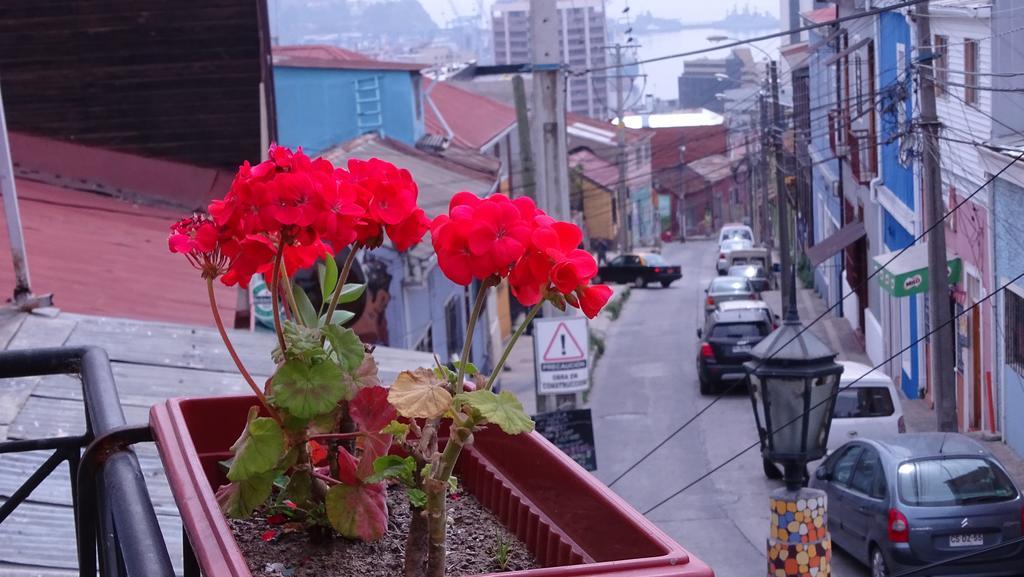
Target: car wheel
<point x="640" y="282"/>
<point x="771" y="470"/>
<point x="665" y="283"/>
<point x="878" y="566"/>
<point x="705" y="387"/>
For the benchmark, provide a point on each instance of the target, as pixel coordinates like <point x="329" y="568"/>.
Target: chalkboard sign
<point x="571" y="431"/>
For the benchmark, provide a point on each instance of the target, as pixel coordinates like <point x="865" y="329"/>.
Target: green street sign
<point x="908" y="273"/>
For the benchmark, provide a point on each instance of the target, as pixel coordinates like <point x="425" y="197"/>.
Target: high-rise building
<point x="582" y="34"/>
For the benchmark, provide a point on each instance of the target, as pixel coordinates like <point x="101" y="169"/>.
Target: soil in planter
<point x="474" y="536"/>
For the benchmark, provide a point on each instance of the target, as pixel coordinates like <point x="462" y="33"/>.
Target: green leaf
<point x="328" y="278"/>
<point x="417" y="498"/>
<point x="351" y="292"/>
<point x="358" y="511"/>
<point x="470" y="368"/>
<point x="240" y="498"/>
<point x="502" y="409"/>
<point x="398" y="430"/>
<point x="306" y="311"/>
<point x="258" y="449"/>
<point x="453" y="484"/>
<point x="299" y="488"/>
<point x="340" y="317"/>
<point x="307" y="391"/>
<point x="302" y="342"/>
<point x="392" y="467"/>
<point x="346" y="346"/>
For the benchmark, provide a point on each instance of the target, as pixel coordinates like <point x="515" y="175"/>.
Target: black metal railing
<point x="114" y="515"/>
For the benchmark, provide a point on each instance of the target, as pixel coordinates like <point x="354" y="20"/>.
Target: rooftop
<point x="595" y="168"/>
<point x="475" y="120"/>
<point x="712" y="168"/>
<point x="324" y="56"/>
<point x="821" y="15"/>
<point x="681" y="118"/>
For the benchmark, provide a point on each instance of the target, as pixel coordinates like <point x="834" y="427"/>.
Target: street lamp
<point x="794" y="380"/>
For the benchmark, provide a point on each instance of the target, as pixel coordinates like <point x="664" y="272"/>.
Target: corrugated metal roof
<point x="438" y="179"/>
<point x="324" y="56"/>
<point x="595" y="168"/>
<point x="475" y="120"/>
<point x="712" y="168"/>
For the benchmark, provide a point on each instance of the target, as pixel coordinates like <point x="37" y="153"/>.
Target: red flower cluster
<point x="309" y="209"/>
<point x="495" y="236"/>
<point x="196" y="237"/>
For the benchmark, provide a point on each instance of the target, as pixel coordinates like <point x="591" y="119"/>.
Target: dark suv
<point x="725" y="345"/>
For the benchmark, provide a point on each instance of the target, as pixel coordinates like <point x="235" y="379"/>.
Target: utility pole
<point x="941" y="354"/>
<point x="762" y="204"/>
<point x="622" y="194"/>
<point x="781" y="199"/>
<point x="547" y="129"/>
<point x="523" y="130"/>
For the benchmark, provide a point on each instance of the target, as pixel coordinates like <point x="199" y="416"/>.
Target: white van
<point x="867" y="408"/>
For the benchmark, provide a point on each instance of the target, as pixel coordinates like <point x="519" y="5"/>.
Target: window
<point x="426" y="344"/>
<point x="740" y="330"/>
<point x="860" y="402"/>
<point x="954" y="481"/>
<point x="867" y="475"/>
<point x="639" y="157"/>
<point x="453" y="327"/>
<point x="940" y="63"/>
<point x="842" y="470"/>
<point x="1013" y="313"/>
<point x="971" y="71"/>
<point x="618" y="261"/>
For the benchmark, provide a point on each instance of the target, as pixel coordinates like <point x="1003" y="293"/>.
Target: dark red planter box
<point x="572" y="523"/>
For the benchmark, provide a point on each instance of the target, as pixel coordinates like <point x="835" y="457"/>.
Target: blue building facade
<point x="1008" y="200"/>
<point x="320" y="107"/>
<point x="897" y="192"/>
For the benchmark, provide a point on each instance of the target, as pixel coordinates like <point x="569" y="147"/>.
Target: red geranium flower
<point x="591" y="299"/>
<point x="410" y="231"/>
<point x="197" y="238"/>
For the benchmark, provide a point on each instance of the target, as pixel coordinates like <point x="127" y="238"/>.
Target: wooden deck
<point x="151" y="362"/>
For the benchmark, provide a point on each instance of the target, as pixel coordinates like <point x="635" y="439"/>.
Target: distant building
<point x="582" y="34"/>
<point x="703" y="78"/>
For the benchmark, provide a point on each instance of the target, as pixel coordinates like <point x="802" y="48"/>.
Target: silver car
<point x="727" y="288"/>
<point x="904" y="502"/>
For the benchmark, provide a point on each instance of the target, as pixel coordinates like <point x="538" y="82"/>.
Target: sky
<point x="693" y="10"/>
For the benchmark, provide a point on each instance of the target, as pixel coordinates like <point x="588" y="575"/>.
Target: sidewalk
<point x="917" y="413"/>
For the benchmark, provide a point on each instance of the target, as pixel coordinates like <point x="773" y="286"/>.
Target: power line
<point x="845" y="387"/>
<point x="787" y="32"/>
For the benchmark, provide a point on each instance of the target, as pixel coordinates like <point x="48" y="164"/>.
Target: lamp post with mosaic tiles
<point x="793" y="384"/>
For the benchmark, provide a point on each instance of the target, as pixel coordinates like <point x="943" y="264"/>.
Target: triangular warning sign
<point x="563" y="346"/>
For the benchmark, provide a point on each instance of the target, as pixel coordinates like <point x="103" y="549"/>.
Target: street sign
<point x="561" y="356"/>
<point x="571" y="431"/>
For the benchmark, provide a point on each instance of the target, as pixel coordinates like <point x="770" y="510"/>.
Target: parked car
<point x="900" y="503"/>
<point x="751" y="305"/>
<point x="735" y="230"/>
<point x="726" y="341"/>
<point x="726" y="247"/>
<point x="757" y="275"/>
<point x="867" y="407"/>
<point x="727" y="288"/>
<point x="639" y="269"/>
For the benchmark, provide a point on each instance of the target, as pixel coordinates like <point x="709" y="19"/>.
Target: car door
<point x="864" y="503"/>
<point x="840" y="473"/>
<point x="631" y="268"/>
<point x="614" y="271"/>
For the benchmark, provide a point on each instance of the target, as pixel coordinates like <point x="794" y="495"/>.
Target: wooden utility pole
<point x="523" y="130"/>
<point x="764" y="233"/>
<point x="781" y="199"/>
<point x="941" y="340"/>
<point x="547" y="129"/>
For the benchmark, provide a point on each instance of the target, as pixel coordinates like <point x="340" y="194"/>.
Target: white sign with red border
<point x="560" y="352"/>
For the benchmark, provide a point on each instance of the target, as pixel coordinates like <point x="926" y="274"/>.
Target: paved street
<point x="644" y="388"/>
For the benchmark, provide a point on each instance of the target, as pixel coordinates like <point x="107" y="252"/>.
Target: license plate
<point x="741" y="349"/>
<point x="966" y="540"/>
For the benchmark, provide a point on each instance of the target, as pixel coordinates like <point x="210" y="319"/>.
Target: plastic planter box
<point x="572" y="523"/>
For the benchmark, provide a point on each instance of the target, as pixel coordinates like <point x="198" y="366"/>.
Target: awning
<point x="908" y="273"/>
<point x="839" y="240"/>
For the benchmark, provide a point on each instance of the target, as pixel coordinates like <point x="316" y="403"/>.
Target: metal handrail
<point x="113" y="511"/>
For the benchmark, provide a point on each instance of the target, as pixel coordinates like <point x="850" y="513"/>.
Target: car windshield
<point x="740" y="233"/>
<point x="746" y="271"/>
<point x="730" y="285"/>
<point x="739" y="330"/>
<point x="857" y="402"/>
<point x="735" y="244"/>
<point x="941" y="482"/>
<point x="654" y="260"/>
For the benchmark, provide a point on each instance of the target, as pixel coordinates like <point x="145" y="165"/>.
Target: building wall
<point x="826" y="211"/>
<point x="597" y="211"/>
<point x="1009" y="262"/>
<point x="316" y="108"/>
<point x="1007" y="35"/>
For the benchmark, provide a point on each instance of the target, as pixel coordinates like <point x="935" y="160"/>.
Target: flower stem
<point x="234" y="355"/>
<point x="326" y="478"/>
<point x="289" y="295"/>
<point x="336" y="436"/>
<point x="275" y="288"/>
<point x="342" y="278"/>
<point x="511" y="343"/>
<point x="478" y="307"/>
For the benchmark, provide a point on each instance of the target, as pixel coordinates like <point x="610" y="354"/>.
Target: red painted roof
<point x="595" y="168"/>
<point x="821" y="15"/>
<point x="700" y="141"/>
<point x="474" y="119"/>
<point x="103" y="256"/>
<point x="324" y="56"/>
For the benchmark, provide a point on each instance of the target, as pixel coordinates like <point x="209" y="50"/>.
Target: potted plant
<point x="317" y="446"/>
